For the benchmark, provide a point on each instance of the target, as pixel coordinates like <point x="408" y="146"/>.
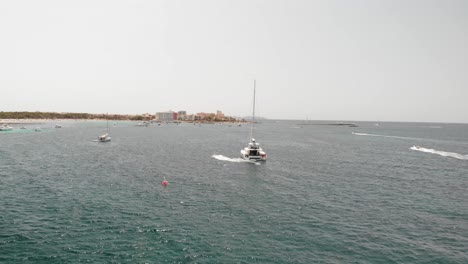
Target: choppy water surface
<point x="393" y="193"/>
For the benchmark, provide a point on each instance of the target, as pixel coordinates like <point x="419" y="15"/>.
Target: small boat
<point x="105" y="137"/>
<point x="37" y="129"/>
<point x="22" y="127"/>
<point x="145" y="124"/>
<point x="253" y="151"/>
<point x="58" y="126"/>
<point x="6" y="127"/>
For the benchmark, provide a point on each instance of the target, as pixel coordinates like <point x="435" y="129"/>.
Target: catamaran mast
<point x="253" y="114"/>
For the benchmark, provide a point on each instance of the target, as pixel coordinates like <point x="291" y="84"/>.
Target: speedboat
<point x="58" y="126"/>
<point x="37" y="129"/>
<point x="6" y="127"/>
<point x="253" y="152"/>
<point x="104" y="138"/>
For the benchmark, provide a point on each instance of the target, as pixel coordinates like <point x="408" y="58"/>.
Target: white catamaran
<point x="253" y="151"/>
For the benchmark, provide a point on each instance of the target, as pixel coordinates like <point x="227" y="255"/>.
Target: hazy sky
<point x="335" y="60"/>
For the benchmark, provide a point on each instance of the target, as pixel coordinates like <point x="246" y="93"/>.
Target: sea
<point x="328" y="193"/>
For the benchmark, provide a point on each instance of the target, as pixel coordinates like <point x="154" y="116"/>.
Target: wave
<point x="441" y="153"/>
<point x="375" y="135"/>
<point x="237" y="160"/>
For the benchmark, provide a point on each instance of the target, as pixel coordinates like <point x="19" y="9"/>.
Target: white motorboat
<point x="253" y="151"/>
<point x="104" y="138"/>
<point x="37" y="129"/>
<point x="6" y="127"/>
<point x="58" y="126"/>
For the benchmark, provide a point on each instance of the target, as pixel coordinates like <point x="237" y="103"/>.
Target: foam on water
<point x="376" y="135"/>
<point x="441" y="153"/>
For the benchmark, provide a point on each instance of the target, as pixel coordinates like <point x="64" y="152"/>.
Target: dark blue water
<point x="325" y="195"/>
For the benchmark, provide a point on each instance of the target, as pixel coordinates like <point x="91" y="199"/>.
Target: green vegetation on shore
<point x="53" y="115"/>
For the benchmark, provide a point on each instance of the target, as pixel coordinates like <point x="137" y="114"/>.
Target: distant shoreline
<point x="29" y="121"/>
<point x="28" y="117"/>
<point x="65" y="116"/>
<point x="37" y="121"/>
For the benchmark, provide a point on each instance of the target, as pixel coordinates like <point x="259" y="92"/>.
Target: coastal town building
<point x="219" y="114"/>
<point x="168" y="116"/>
<point x="147" y="116"/>
<point x="171" y="116"/>
<point x="182" y="115"/>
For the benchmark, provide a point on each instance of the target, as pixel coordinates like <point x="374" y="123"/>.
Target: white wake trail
<point x="237" y="160"/>
<point x="441" y="153"/>
<point x="376" y="135"/>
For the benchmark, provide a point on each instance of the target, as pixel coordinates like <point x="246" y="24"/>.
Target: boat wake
<point x="441" y="153"/>
<point x="236" y="160"/>
<point x="376" y="135"/>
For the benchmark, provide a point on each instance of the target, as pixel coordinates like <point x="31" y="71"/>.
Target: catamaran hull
<point x="245" y="156"/>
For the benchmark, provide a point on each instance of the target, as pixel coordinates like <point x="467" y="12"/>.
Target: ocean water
<point x="393" y="193"/>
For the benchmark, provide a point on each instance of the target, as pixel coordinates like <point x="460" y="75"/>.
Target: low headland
<point x="55" y="115"/>
<point x="39" y="117"/>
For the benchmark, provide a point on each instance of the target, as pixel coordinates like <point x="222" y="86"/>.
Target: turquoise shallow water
<point x="325" y="195"/>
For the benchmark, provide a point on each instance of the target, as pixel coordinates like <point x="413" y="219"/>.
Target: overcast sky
<point x="328" y="60"/>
